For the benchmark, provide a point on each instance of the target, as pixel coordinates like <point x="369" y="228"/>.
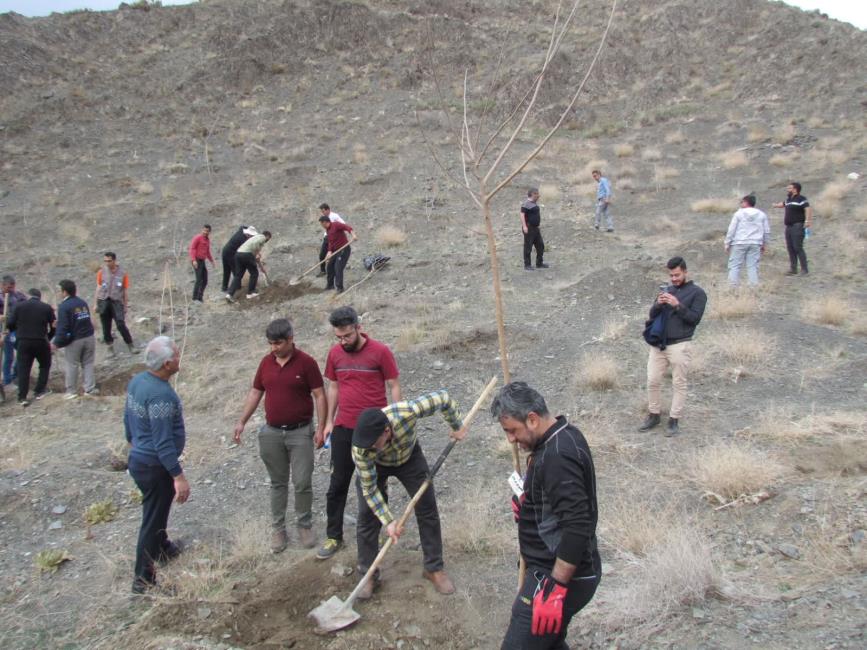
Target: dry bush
<point x="828" y="200"/>
<point x="626" y="184"/>
<point x="624" y="150"/>
<point x="588" y="168"/>
<point x="776" y="423"/>
<point x="668" y="225"/>
<point x="626" y="171"/>
<point x="816" y="122"/>
<point x="614" y="328"/>
<point x="651" y="154"/>
<point x="598" y="371"/>
<point x="829" y="547"/>
<point x="756" y="134"/>
<point x="635" y="522"/>
<point x="729" y="470"/>
<point x="676" y="573"/>
<point x="390" y="236"/>
<point x="675" y="137"/>
<point x="549" y="192"/>
<point x="729" y="305"/>
<point x="586" y="189"/>
<point x="409" y="336"/>
<point x="478" y="523"/>
<point x="733" y="159"/>
<point x="665" y="173"/>
<point x="719" y="206"/>
<point x="785" y="134"/>
<point x="783" y="160"/>
<point x="826" y="310"/>
<point x="744" y="347"/>
<point x="858" y="326"/>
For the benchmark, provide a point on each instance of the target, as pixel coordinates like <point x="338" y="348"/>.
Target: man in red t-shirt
<point x="200" y="250"/>
<point x="291" y="382"/>
<point x="337" y="236"/>
<point x="358" y="370"/>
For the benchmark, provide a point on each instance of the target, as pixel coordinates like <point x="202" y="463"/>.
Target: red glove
<point x="517" y="502"/>
<point x="548" y="607"/>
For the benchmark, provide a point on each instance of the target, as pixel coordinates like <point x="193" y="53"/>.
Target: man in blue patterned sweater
<point x="154" y="424"/>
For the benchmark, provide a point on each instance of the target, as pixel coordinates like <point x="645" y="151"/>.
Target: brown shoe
<point x="279" y="540"/>
<point x="306" y="537"/>
<point x="369" y="587"/>
<point x="441" y="581"/>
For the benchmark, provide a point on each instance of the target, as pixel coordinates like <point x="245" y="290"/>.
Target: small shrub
<point x="675" y="137"/>
<point x="665" y="173"/>
<point x="827" y="310"/>
<point x="734" y="159"/>
<point x="723" y="206"/>
<point x="729" y="470"/>
<point x="390" y="236"/>
<point x="785" y="134"/>
<point x="599" y="372"/>
<point x="478" y="522"/>
<point x="728" y="305"/>
<point x="100" y="512"/>
<point x="50" y="560"/>
<point x="756" y="134"/>
<point x="614" y="328"/>
<point x="777" y="423"/>
<point x="783" y="160"/>
<point x="746" y="348"/>
<point x="651" y="154"/>
<point x="624" y="150"/>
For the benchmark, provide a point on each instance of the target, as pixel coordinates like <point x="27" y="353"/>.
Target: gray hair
<point x="517" y="400"/>
<point x="158" y="351"/>
<point x="279" y="329"/>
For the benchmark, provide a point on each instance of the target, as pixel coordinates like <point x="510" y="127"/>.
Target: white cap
<point x="251" y="230"/>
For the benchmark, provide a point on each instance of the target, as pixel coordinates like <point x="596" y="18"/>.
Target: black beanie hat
<point x="370" y="425"/>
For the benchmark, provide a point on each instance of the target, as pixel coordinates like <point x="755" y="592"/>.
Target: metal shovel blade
<point x="334" y="614"/>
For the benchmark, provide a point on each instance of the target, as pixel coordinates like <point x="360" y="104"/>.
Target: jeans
<point x="201" y="280"/>
<point x="158" y="491"/>
<point x="677" y="356"/>
<point x="740" y="254"/>
<point x="28" y="350"/>
<point x="795" y="247"/>
<point x="533" y="238"/>
<point x="244" y="262"/>
<point x="602" y="211"/>
<point x="323" y="252"/>
<point x="334" y="270"/>
<point x="342" y="468"/>
<point x="285" y="454"/>
<point x="81" y="352"/>
<point x="114" y="311"/>
<point x="10" y="369"/>
<point x="228" y="269"/>
<point x="519" y="636"/>
<point x="411" y="475"/>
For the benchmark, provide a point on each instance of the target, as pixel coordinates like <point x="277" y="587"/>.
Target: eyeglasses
<point x="347" y="336"/>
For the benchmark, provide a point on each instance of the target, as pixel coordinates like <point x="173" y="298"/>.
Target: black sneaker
<point x="791" y="272"/>
<point x="542" y="266"/>
<point x="42" y="393"/>
<point x="805" y="272"/>
<point x="672" y="429"/>
<point x="170" y="552"/>
<point x="24" y="402"/>
<point x="527" y="267"/>
<point x="650" y="421"/>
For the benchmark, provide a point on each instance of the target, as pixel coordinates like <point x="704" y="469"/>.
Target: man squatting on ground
<point x="797" y="217"/>
<point x="358" y="370"/>
<point x="33" y="323"/>
<point x="200" y="250"/>
<point x="603" y="200"/>
<point x="154" y="425"/>
<point x="384" y="443"/>
<point x="230" y="250"/>
<point x="556" y="515"/>
<point x="248" y="258"/>
<point x="531" y="220"/>
<point x="337" y="235"/>
<point x="11" y="297"/>
<point x="75" y="336"/>
<point x="746" y="239"/>
<point x="680" y="306"/>
<point x="112" y="285"/>
<point x="291" y="382"/>
<point x="326" y="211"/>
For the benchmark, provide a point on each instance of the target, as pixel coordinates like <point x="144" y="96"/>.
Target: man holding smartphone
<point x="681" y="304"/>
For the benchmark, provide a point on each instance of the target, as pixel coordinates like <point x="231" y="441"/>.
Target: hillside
<point x="127" y="130"/>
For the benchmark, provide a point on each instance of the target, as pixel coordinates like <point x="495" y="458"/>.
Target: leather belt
<point x="290" y="427"/>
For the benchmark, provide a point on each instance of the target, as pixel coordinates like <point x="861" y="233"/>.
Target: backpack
<point x="654" y="330"/>
<point x="375" y="262"/>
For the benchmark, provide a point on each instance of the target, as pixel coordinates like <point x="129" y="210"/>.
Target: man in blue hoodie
<point x="75" y="334"/>
<point x="154" y="424"/>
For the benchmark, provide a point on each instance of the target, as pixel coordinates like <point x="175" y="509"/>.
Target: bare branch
<point x="445" y="170"/>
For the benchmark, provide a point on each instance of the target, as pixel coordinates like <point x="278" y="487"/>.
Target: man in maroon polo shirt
<point x="338" y="235"/>
<point x="291" y="381"/>
<point x="358" y="370"/>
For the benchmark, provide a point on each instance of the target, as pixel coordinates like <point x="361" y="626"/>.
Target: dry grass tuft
<point x="614" y="328"/>
<point x="651" y="154"/>
<point x="858" y="326"/>
<point x="598" y="371"/>
<point x="390" y="236"/>
<point x="675" y="137"/>
<point x="777" y="423"/>
<point x="624" y="150"/>
<point x="478" y="522"/>
<point x="745" y="348"/>
<point x="826" y="310"/>
<point x="830" y="548"/>
<point x="734" y="159"/>
<point x="785" y="134"/>
<point x="549" y="192"/>
<point x="729" y="305"/>
<point x="783" y="160"/>
<point x="665" y="173"/>
<point x="756" y="134"/>
<point x="828" y="200"/>
<point x="633" y="522"/>
<point x="409" y="336"/>
<point x="717" y="206"/>
<point x="729" y="470"/>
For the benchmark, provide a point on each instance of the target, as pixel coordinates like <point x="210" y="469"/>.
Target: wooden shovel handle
<point x="316" y="266"/>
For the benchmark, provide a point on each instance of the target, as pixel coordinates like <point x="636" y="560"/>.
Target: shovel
<point x="335" y="614"/>
<point x="297" y="279"/>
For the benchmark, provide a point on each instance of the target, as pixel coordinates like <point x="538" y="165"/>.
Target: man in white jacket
<point x="746" y="240"/>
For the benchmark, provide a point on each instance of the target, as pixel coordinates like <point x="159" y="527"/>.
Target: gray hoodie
<point x="748" y="226"/>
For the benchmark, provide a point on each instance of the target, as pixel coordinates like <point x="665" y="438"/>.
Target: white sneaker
<point x="252" y="295"/>
<point x="229" y="298"/>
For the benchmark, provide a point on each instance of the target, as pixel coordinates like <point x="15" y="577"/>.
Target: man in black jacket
<point x="556" y="515"/>
<point x="230" y="250"/>
<point x="682" y="303"/>
<point x="33" y="320"/>
<point x="75" y="335"/>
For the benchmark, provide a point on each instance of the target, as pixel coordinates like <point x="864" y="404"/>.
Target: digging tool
<point x="261" y="266"/>
<point x="335" y="614"/>
<point x="297" y="279"/>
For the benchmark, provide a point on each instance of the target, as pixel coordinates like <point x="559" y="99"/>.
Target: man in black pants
<point x="531" y="219"/>
<point x="338" y="236"/>
<point x="798" y="216"/>
<point x="242" y="234"/>
<point x="33" y="320"/>
<point x="556" y="515"/>
<point x="112" y="284"/>
<point x="326" y="211"/>
<point x="247" y="259"/>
